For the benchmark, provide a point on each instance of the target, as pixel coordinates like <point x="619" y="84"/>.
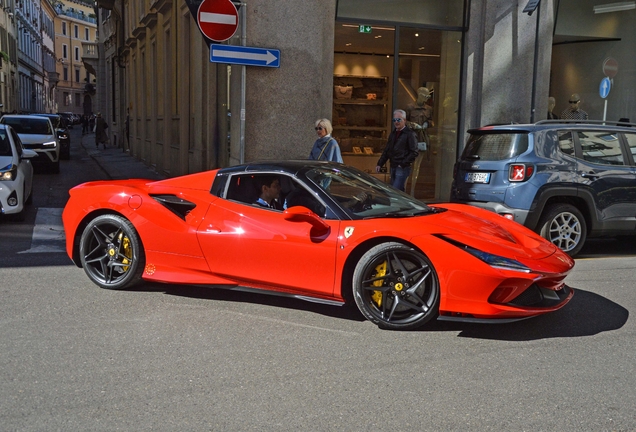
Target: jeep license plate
<point x="477" y="177"/>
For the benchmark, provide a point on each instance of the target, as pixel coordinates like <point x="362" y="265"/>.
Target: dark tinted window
<point x="5" y="146"/>
<point x="566" y="142"/>
<point x="631" y="142"/>
<point x="495" y="146"/>
<point x="601" y="147"/>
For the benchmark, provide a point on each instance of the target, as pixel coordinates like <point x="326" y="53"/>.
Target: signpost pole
<point x="605" y="112"/>
<point x="243" y="20"/>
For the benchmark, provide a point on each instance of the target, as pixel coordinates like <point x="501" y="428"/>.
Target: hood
<point x="489" y="232"/>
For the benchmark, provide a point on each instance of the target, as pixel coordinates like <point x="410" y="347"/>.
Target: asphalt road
<point x="75" y="357"/>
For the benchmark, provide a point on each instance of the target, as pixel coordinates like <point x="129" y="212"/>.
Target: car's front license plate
<point x="477" y="177"/>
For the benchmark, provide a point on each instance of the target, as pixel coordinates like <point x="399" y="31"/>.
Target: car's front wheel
<point x="111" y="252"/>
<point x="396" y="287"/>
<point x="564" y="226"/>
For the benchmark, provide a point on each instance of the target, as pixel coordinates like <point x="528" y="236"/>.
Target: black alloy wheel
<point x="111" y="252"/>
<point x="396" y="287"/>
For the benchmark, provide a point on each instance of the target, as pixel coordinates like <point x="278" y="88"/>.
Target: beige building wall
<point x="71" y="94"/>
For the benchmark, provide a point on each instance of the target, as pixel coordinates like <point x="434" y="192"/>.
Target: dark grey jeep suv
<point x="566" y="180"/>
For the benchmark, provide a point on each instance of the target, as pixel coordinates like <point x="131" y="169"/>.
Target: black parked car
<point x="63" y="136"/>
<point x="567" y="180"/>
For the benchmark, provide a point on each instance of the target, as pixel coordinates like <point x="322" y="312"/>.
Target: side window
<point x="566" y="143"/>
<point x="601" y="147"/>
<point x="631" y="143"/>
<point x="272" y="192"/>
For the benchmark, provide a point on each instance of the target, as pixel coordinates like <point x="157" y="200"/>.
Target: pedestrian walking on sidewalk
<point x="84" y="124"/>
<point x="101" y="137"/>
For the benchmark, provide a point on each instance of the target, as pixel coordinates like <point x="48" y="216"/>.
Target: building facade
<point x="30" y="69"/>
<point x="8" y="57"/>
<point x="75" y="25"/>
<point x="51" y="78"/>
<point x="481" y="62"/>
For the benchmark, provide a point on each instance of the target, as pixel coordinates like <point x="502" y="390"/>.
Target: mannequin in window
<point x="551" y="105"/>
<point x="574" y="112"/>
<point x="420" y="117"/>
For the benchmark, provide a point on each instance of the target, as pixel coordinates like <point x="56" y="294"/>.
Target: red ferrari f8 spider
<point x="325" y="232"/>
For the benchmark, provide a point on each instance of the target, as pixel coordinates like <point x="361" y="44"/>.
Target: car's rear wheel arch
<point x="580" y="203"/>
<point x="82" y="226"/>
<point x="346" y="283"/>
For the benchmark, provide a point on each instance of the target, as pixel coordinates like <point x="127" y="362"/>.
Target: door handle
<point x="589" y="175"/>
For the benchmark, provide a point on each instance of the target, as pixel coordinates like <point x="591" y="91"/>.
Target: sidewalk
<point x="118" y="165"/>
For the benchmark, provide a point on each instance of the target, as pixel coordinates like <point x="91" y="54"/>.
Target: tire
<point x="565" y="227"/>
<point x="29" y="200"/>
<point x="396" y="287"/>
<point x="111" y="252"/>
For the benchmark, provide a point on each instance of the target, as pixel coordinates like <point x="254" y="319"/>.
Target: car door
<point x="261" y="247"/>
<point x="606" y="174"/>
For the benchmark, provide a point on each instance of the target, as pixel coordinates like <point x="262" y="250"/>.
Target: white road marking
<point x="48" y="232"/>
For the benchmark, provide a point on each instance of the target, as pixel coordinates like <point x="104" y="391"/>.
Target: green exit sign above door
<point x="364" y="28"/>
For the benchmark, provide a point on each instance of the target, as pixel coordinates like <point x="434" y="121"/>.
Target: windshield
<point x="33" y="126"/>
<point x="362" y="196"/>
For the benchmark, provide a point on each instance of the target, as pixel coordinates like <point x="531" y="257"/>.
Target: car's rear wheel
<point x="396" y="287"/>
<point x="564" y="226"/>
<point x="111" y="252"/>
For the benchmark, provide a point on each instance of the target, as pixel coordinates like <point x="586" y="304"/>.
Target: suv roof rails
<point x="621" y="122"/>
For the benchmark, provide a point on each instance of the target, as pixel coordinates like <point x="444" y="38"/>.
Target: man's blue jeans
<point x="399" y="176"/>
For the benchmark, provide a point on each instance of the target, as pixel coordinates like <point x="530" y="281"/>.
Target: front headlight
<point x="9" y="173"/>
<point x="49" y="144"/>
<point x="62" y="136"/>
<point x="497" y="261"/>
<point x="492" y="260"/>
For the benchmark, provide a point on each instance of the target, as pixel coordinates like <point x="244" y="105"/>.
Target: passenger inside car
<point x="268" y="187"/>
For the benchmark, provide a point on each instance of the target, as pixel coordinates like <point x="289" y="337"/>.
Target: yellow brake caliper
<point x="125" y="243"/>
<point x="380" y="270"/>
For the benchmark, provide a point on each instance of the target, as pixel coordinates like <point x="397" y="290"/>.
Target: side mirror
<point x="303" y="214"/>
<point x="29" y="154"/>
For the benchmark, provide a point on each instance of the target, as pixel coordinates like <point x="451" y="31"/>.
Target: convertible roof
<point x="286" y="166"/>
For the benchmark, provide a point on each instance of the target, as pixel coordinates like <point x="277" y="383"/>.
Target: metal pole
<point x="533" y="107"/>
<point x="243" y="80"/>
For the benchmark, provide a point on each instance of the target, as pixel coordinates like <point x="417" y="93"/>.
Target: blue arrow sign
<point x="247" y="56"/>
<point x="605" y="87"/>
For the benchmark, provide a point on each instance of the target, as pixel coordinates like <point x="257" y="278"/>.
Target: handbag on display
<point x="343" y="92"/>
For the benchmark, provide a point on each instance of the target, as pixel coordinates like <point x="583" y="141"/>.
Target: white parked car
<point x="16" y="173"/>
<point x="38" y="134"/>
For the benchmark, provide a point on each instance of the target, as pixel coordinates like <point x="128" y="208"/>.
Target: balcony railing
<point x="89" y="51"/>
<point x="78" y="15"/>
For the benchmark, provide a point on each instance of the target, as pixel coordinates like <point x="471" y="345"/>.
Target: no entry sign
<point x="610" y="67"/>
<point x="217" y="19"/>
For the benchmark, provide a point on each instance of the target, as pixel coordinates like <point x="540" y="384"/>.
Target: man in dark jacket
<point x="401" y="150"/>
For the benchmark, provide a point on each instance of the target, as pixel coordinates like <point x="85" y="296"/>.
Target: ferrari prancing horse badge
<point x="348" y="231"/>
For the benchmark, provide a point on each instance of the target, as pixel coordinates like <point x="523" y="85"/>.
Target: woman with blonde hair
<point x="325" y="147"/>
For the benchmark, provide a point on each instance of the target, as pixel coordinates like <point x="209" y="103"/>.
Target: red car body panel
<point x="223" y="242"/>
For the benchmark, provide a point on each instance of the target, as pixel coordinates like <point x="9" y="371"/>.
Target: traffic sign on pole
<point x="605" y="87"/>
<point x="217" y="19"/>
<point x="610" y="67"/>
<point x="248" y="56"/>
